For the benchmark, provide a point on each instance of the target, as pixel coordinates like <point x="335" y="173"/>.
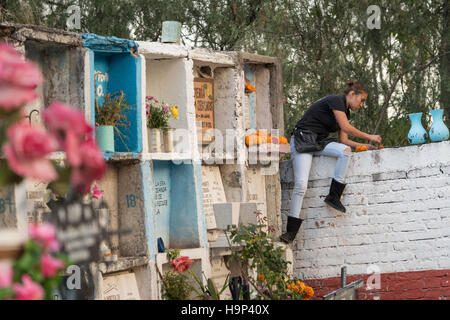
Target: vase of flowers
<point x="159" y="132"/>
<point x="109" y="117"/>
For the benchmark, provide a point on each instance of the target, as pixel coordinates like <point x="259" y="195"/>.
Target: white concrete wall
<point x="398" y="213"/>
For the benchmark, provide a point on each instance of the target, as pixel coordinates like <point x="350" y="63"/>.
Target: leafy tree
<point x="322" y="43"/>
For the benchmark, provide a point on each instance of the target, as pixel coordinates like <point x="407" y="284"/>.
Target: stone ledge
<point x="122" y="264"/>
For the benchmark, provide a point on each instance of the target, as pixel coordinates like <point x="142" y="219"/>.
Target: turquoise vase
<point x="105" y="138"/>
<point x="438" y="131"/>
<point x="171" y="32"/>
<point x="417" y="134"/>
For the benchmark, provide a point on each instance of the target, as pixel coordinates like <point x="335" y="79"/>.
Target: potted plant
<point x="108" y="118"/>
<point x="158" y="115"/>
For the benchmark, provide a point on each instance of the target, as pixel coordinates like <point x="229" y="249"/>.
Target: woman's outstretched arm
<point x="345" y="126"/>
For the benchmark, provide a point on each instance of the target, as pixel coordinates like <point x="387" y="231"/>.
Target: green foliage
<point x="30" y="263"/>
<point x="256" y="253"/>
<point x="176" y="286"/>
<point x="112" y="112"/>
<point x="173" y="254"/>
<point x="405" y="65"/>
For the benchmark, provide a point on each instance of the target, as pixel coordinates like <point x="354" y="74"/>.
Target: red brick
<point x="411" y="295"/>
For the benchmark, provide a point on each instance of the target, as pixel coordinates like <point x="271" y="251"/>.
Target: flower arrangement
<point x="159" y="113"/>
<point x="37" y="272"/>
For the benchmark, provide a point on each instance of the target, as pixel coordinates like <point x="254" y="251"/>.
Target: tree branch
<point x="394" y="85"/>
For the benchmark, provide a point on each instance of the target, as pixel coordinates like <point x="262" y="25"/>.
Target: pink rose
<point x="96" y="192"/>
<point x="28" y="290"/>
<point x="69" y="126"/>
<point x="6" y="277"/>
<point x="12" y="97"/>
<point x="26" y="152"/>
<point x="181" y="264"/>
<point x="18" y="78"/>
<point x="45" y="235"/>
<point x="50" y="266"/>
<point x="92" y="166"/>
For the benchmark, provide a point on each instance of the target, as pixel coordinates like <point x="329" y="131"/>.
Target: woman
<point x="329" y="114"/>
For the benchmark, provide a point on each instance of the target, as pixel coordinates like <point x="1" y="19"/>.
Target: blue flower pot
<point x="105" y="138"/>
<point x="417" y="134"/>
<point x="438" y="131"/>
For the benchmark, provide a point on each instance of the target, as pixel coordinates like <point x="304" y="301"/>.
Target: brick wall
<point x="397" y="223"/>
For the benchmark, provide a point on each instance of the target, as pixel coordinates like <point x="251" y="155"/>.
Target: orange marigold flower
<point x="261" y="277"/>
<point x="308" y="293"/>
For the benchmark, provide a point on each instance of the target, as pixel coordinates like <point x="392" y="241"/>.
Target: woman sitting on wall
<point x="309" y="138"/>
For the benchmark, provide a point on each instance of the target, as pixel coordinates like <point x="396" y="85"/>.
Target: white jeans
<point x="301" y="163"/>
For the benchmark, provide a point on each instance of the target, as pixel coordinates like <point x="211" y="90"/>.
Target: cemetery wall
<point x="395" y="234"/>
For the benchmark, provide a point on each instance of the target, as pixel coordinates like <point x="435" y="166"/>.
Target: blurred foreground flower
<point x="45" y="235"/>
<point x="18" y="79"/>
<point x="6" y="277"/>
<point x="28" y="290"/>
<point x="70" y="128"/>
<point x="26" y="152"/>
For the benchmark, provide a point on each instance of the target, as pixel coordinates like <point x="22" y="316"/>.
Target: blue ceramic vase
<point x="438" y="131"/>
<point x="417" y="134"/>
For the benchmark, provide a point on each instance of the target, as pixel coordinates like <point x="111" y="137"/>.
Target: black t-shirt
<point x="319" y="117"/>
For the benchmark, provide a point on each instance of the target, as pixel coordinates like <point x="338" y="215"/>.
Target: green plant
<point x="257" y="254"/>
<point x="112" y="112"/>
<point x="175" y="286"/>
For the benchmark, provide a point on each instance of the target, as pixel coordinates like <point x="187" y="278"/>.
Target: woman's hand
<point x="371" y="147"/>
<point x="375" y="138"/>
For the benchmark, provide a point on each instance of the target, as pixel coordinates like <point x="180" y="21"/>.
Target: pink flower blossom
<point x="6" y="277"/>
<point x="28" y="290"/>
<point x="69" y="126"/>
<point x="45" y="235"/>
<point x="181" y="264"/>
<point x="26" y="152"/>
<point x="92" y="166"/>
<point x="166" y="108"/>
<point x="96" y="193"/>
<point x="50" y="265"/>
<point x="18" y="78"/>
<point x="12" y="97"/>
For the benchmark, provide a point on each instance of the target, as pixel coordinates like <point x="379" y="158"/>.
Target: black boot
<point x="334" y="198"/>
<point x="293" y="224"/>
